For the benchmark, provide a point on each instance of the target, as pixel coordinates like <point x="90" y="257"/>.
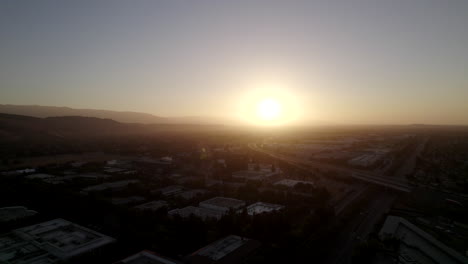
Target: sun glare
<point x="268" y="109"/>
<point x="269" y="103"/>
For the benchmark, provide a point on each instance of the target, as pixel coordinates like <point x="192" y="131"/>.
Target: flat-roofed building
<point x="190" y="194"/>
<point x="152" y="206"/>
<point x="171" y="190"/>
<point x="200" y="212"/>
<point x="114" y="170"/>
<point x="118" y="185"/>
<point x="222" y="204"/>
<point x="47" y="178"/>
<point x="18" y="172"/>
<point x="147" y="257"/>
<point x="93" y="175"/>
<point x="49" y="242"/>
<point x="292" y="183"/>
<point x="40" y="176"/>
<point x="15" y="249"/>
<point x="257" y="172"/>
<point x="127" y="200"/>
<point x="186" y="179"/>
<point x="231" y="249"/>
<point x="417" y="246"/>
<point x="13" y="213"/>
<point x="268" y="168"/>
<point x="252" y="175"/>
<point x="260" y="208"/>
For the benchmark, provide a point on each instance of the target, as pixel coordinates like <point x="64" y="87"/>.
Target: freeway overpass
<point x="393" y="183"/>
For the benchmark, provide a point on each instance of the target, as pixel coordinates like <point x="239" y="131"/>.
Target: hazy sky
<point x="388" y="61"/>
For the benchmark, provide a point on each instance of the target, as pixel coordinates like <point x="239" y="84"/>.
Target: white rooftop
<point x="55" y="239"/>
<point x="418" y="246"/>
<point x="292" y="183"/>
<point x="260" y="207"/>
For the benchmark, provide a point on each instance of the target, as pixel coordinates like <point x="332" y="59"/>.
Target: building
<point x="40" y="176"/>
<point x="417" y="246"/>
<point x="232" y="185"/>
<point x="18" y="172"/>
<point x="171" y="190"/>
<point x="152" y="206"/>
<point x="257" y="172"/>
<point x="47" y="178"/>
<point x="260" y="208"/>
<point x="146" y="257"/>
<point x="200" y="212"/>
<point x="263" y="167"/>
<point x="161" y="161"/>
<point x="231" y="249"/>
<point x="119" y="185"/>
<point x="292" y="183"/>
<point x="93" y="175"/>
<point x="49" y="242"/>
<point x="114" y="170"/>
<point x="166" y="160"/>
<point x="368" y="158"/>
<point x="222" y="204"/>
<point x="127" y="200"/>
<point x="190" y="194"/>
<point x="53" y="179"/>
<point x="122" y="163"/>
<point x="14" y="213"/>
<point x="187" y="179"/>
<point x="252" y="175"/>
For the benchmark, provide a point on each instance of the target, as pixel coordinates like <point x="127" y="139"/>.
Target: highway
<point x="358" y="228"/>
<point x="396" y="183"/>
<point x="410" y="162"/>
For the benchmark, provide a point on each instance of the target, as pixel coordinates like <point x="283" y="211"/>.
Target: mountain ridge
<point x="119" y="116"/>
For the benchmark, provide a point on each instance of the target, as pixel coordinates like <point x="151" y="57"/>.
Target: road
<point x="390" y="182"/>
<point x="363" y="224"/>
<point x="410" y="162"/>
<point x="358" y="228"/>
<point x="344" y="203"/>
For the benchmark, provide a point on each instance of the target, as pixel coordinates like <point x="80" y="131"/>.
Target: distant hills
<point x="24" y="136"/>
<point x="123" y="117"/>
<point x="16" y="128"/>
<point x="129" y="117"/>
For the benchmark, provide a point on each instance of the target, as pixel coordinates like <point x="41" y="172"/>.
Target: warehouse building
<point x="223" y="204"/>
<point x="260" y="208"/>
<point x="231" y="249"/>
<point x="50" y="242"/>
<point x="146" y="257"/>
<point x="417" y="246"/>
<point x="200" y="212"/>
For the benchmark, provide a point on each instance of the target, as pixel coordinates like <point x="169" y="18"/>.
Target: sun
<point x="269" y="105"/>
<point x="269" y="109"/>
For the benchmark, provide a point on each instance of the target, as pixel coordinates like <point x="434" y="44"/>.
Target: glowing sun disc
<point x="268" y="109"/>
